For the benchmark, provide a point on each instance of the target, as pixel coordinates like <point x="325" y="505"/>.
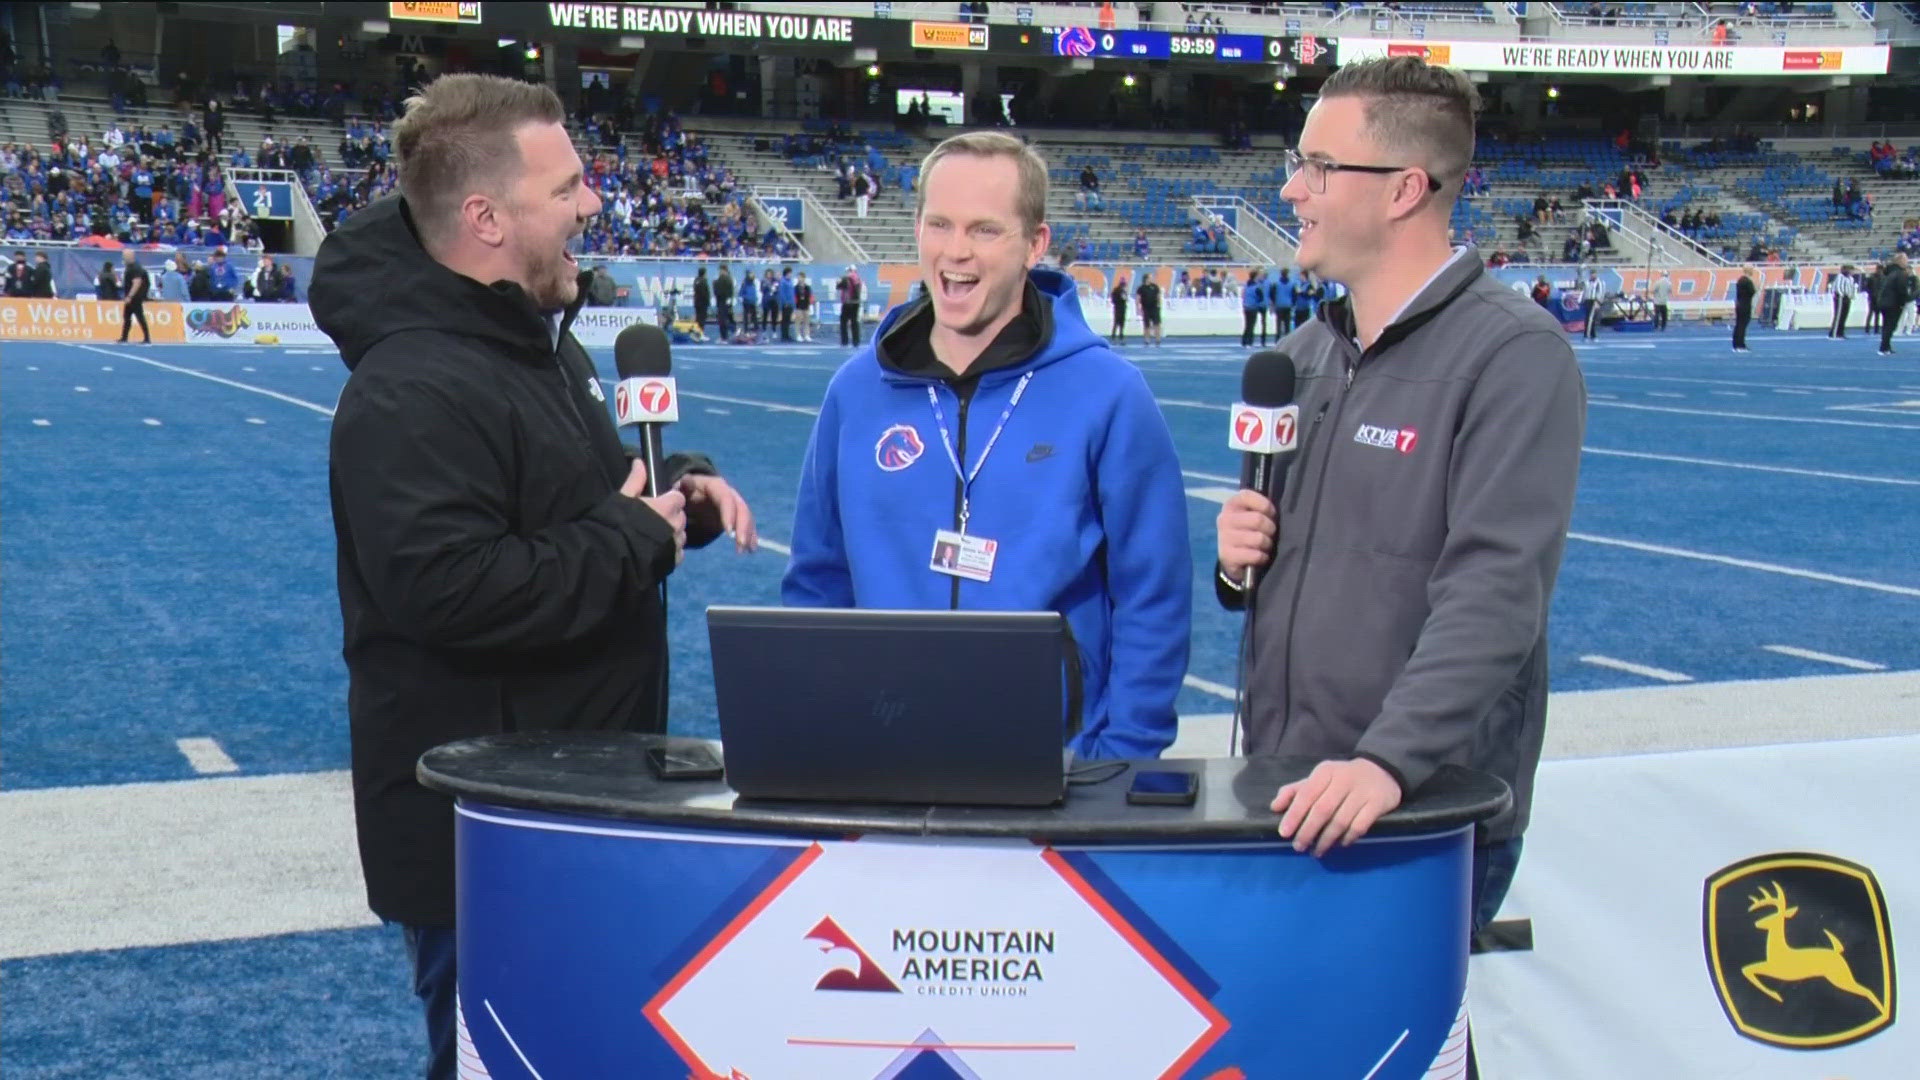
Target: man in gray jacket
<point x="1401" y="622"/>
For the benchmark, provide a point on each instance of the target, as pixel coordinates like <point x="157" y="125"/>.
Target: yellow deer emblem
<point x="1790" y="963"/>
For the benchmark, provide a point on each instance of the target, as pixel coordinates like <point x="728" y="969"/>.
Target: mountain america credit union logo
<point x="1800" y="950"/>
<point x="972" y="955"/>
<point x="851" y="968"/>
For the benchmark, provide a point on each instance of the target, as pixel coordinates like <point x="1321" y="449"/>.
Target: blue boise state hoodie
<point x="1082" y="494"/>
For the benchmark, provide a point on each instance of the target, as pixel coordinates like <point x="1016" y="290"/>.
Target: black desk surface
<point x="605" y="774"/>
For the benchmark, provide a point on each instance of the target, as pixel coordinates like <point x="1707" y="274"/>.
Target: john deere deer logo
<point x="1809" y="972"/>
<point x="1790" y="963"/>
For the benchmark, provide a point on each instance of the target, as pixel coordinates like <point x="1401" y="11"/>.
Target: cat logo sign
<point x="1800" y="950"/>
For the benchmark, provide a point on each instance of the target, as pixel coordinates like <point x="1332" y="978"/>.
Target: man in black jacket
<point x="723" y="303"/>
<point x="135" y="296"/>
<point x="499" y="567"/>
<point x="702" y="298"/>
<point x="1743" y="291"/>
<point x="1895" y="290"/>
<point x="19" y="276"/>
<point x="40" y="278"/>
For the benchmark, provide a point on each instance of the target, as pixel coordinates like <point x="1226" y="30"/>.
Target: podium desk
<point x="615" y="925"/>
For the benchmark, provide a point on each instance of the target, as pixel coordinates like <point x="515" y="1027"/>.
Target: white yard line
<point x="274" y="394"/>
<point x="205" y="756"/>
<point x="1825" y="658"/>
<point x="1208" y="686"/>
<point x="1631" y="668"/>
<point x="1746" y="564"/>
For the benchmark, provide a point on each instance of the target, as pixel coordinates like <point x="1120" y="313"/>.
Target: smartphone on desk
<point x="685" y="763"/>
<point x="1163" y="788"/>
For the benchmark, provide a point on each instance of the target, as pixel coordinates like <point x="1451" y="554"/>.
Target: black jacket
<point x="1895" y="289"/>
<point x="492" y="577"/>
<point x="723" y="289"/>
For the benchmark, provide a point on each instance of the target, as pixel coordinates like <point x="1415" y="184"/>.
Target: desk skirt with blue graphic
<point x="593" y="947"/>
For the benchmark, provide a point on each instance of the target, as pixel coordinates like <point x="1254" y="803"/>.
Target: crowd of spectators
<point x="669" y="198"/>
<point x="1890" y="163"/>
<point x="1909" y="242"/>
<point x="1855" y="203"/>
<point x="136" y="186"/>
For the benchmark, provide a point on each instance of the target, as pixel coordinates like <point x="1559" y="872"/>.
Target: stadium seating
<point x="1781" y="201"/>
<point x="335" y="188"/>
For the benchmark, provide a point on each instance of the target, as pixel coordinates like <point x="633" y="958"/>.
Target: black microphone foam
<point x="1268" y="380"/>
<point x="642" y="349"/>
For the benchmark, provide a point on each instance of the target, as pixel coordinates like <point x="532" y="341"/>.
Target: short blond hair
<point x="1032" y="168"/>
<point x="457" y="137"/>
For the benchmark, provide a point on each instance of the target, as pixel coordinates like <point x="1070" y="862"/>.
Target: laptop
<point x="922" y="707"/>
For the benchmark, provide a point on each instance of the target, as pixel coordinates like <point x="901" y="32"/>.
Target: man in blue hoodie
<point x="988" y="416"/>
<point x="1253" y="305"/>
<point x="225" y="279"/>
<point x="1280" y="299"/>
<point x="749" y="301"/>
<point x="784" y="293"/>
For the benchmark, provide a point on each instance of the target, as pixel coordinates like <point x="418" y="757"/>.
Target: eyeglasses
<point x="1318" y="168"/>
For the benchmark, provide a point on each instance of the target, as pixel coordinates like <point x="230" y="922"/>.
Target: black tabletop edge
<point x="605" y="775"/>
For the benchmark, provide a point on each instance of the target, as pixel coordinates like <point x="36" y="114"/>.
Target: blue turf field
<point x="168" y="568"/>
<point x="176" y="579"/>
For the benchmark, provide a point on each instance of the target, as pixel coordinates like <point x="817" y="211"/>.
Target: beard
<point x="550" y="280"/>
<point x="546" y="276"/>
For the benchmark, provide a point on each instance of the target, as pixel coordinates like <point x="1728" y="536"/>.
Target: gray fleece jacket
<point x="1404" y="617"/>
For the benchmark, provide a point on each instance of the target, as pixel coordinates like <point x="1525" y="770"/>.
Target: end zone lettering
<point x="692" y="22"/>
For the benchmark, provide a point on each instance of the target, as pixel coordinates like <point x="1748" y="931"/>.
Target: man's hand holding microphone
<point x="671" y="505"/>
<point x="1264" y="427"/>
<point x="647" y="399"/>
<point x="1247" y="528"/>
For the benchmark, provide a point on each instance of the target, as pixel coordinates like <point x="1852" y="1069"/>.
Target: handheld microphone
<point x="1265" y="426"/>
<point x="646" y="396"/>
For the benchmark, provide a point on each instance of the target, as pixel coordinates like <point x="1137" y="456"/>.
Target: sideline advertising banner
<point x="597" y="327"/>
<point x="83" y="320"/>
<point x="652" y="283"/>
<point x="1613" y="59"/>
<point x="1718" y="913"/>
<point x="248" y="323"/>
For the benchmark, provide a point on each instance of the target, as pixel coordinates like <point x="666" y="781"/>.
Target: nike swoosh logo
<point x="1040" y="452"/>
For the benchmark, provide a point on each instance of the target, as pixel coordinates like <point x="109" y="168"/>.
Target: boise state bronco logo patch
<point x="899" y="447"/>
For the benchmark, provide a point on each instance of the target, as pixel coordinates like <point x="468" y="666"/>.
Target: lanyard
<point x="946" y="440"/>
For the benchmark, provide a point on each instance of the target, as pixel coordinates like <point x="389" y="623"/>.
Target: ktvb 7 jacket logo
<point x="1800" y="950"/>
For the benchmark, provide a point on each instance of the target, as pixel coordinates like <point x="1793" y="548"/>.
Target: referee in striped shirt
<point x="1844" y="288"/>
